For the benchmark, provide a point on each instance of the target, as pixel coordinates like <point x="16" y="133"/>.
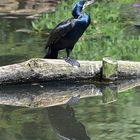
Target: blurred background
<point x="25" y="26"/>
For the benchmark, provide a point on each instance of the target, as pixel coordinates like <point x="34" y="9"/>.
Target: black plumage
<point x="66" y="34"/>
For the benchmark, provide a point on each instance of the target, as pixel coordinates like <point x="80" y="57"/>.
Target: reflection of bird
<point x="65" y="123"/>
<point x="67" y="33"/>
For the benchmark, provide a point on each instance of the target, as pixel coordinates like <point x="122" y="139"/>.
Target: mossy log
<point x="42" y="70"/>
<point x="110" y="69"/>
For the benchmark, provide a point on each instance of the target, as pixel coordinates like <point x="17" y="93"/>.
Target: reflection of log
<point x="45" y="95"/>
<point x="128" y="84"/>
<point x="51" y="94"/>
<point x="38" y="70"/>
<point x="26" y="7"/>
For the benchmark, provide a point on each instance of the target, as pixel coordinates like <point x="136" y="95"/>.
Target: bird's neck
<point x="85" y="18"/>
<point x="76" y="12"/>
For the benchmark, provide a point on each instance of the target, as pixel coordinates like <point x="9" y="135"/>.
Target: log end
<point x="109" y="69"/>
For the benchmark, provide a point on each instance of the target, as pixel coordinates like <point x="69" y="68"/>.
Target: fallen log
<point x="39" y="70"/>
<point x="42" y="70"/>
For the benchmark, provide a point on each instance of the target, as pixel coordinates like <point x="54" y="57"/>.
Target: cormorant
<point x="66" y="34"/>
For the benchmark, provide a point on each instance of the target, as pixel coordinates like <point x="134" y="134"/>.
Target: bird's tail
<point x="51" y="54"/>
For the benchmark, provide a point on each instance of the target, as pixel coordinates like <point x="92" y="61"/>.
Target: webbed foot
<point x="73" y="62"/>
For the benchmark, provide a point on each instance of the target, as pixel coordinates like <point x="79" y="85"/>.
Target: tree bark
<point x="39" y="70"/>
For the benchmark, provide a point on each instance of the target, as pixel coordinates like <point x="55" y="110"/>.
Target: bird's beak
<point x="88" y="2"/>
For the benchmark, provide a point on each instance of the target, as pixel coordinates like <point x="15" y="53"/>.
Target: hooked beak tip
<point x="88" y="3"/>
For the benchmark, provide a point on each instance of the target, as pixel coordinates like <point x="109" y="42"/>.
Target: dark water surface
<point x="18" y="46"/>
<point x="89" y="119"/>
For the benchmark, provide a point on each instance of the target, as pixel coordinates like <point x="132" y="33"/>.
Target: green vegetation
<point x="112" y="31"/>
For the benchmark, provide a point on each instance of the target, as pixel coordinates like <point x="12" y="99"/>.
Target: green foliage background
<point x="111" y="33"/>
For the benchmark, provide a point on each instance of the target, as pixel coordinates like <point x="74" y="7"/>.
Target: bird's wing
<point x="60" y="31"/>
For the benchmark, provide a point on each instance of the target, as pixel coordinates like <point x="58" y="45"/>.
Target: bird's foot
<point x="73" y="62"/>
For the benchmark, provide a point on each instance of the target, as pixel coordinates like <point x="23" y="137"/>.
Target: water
<point x="89" y="119"/>
<point x="18" y="46"/>
<point x="94" y="118"/>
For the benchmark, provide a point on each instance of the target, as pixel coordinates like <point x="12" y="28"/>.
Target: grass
<point x="111" y="32"/>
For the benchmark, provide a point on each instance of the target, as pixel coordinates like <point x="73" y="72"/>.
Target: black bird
<point x="66" y="34"/>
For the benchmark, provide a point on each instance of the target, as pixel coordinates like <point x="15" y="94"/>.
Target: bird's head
<point x="79" y="6"/>
<point x="87" y="3"/>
